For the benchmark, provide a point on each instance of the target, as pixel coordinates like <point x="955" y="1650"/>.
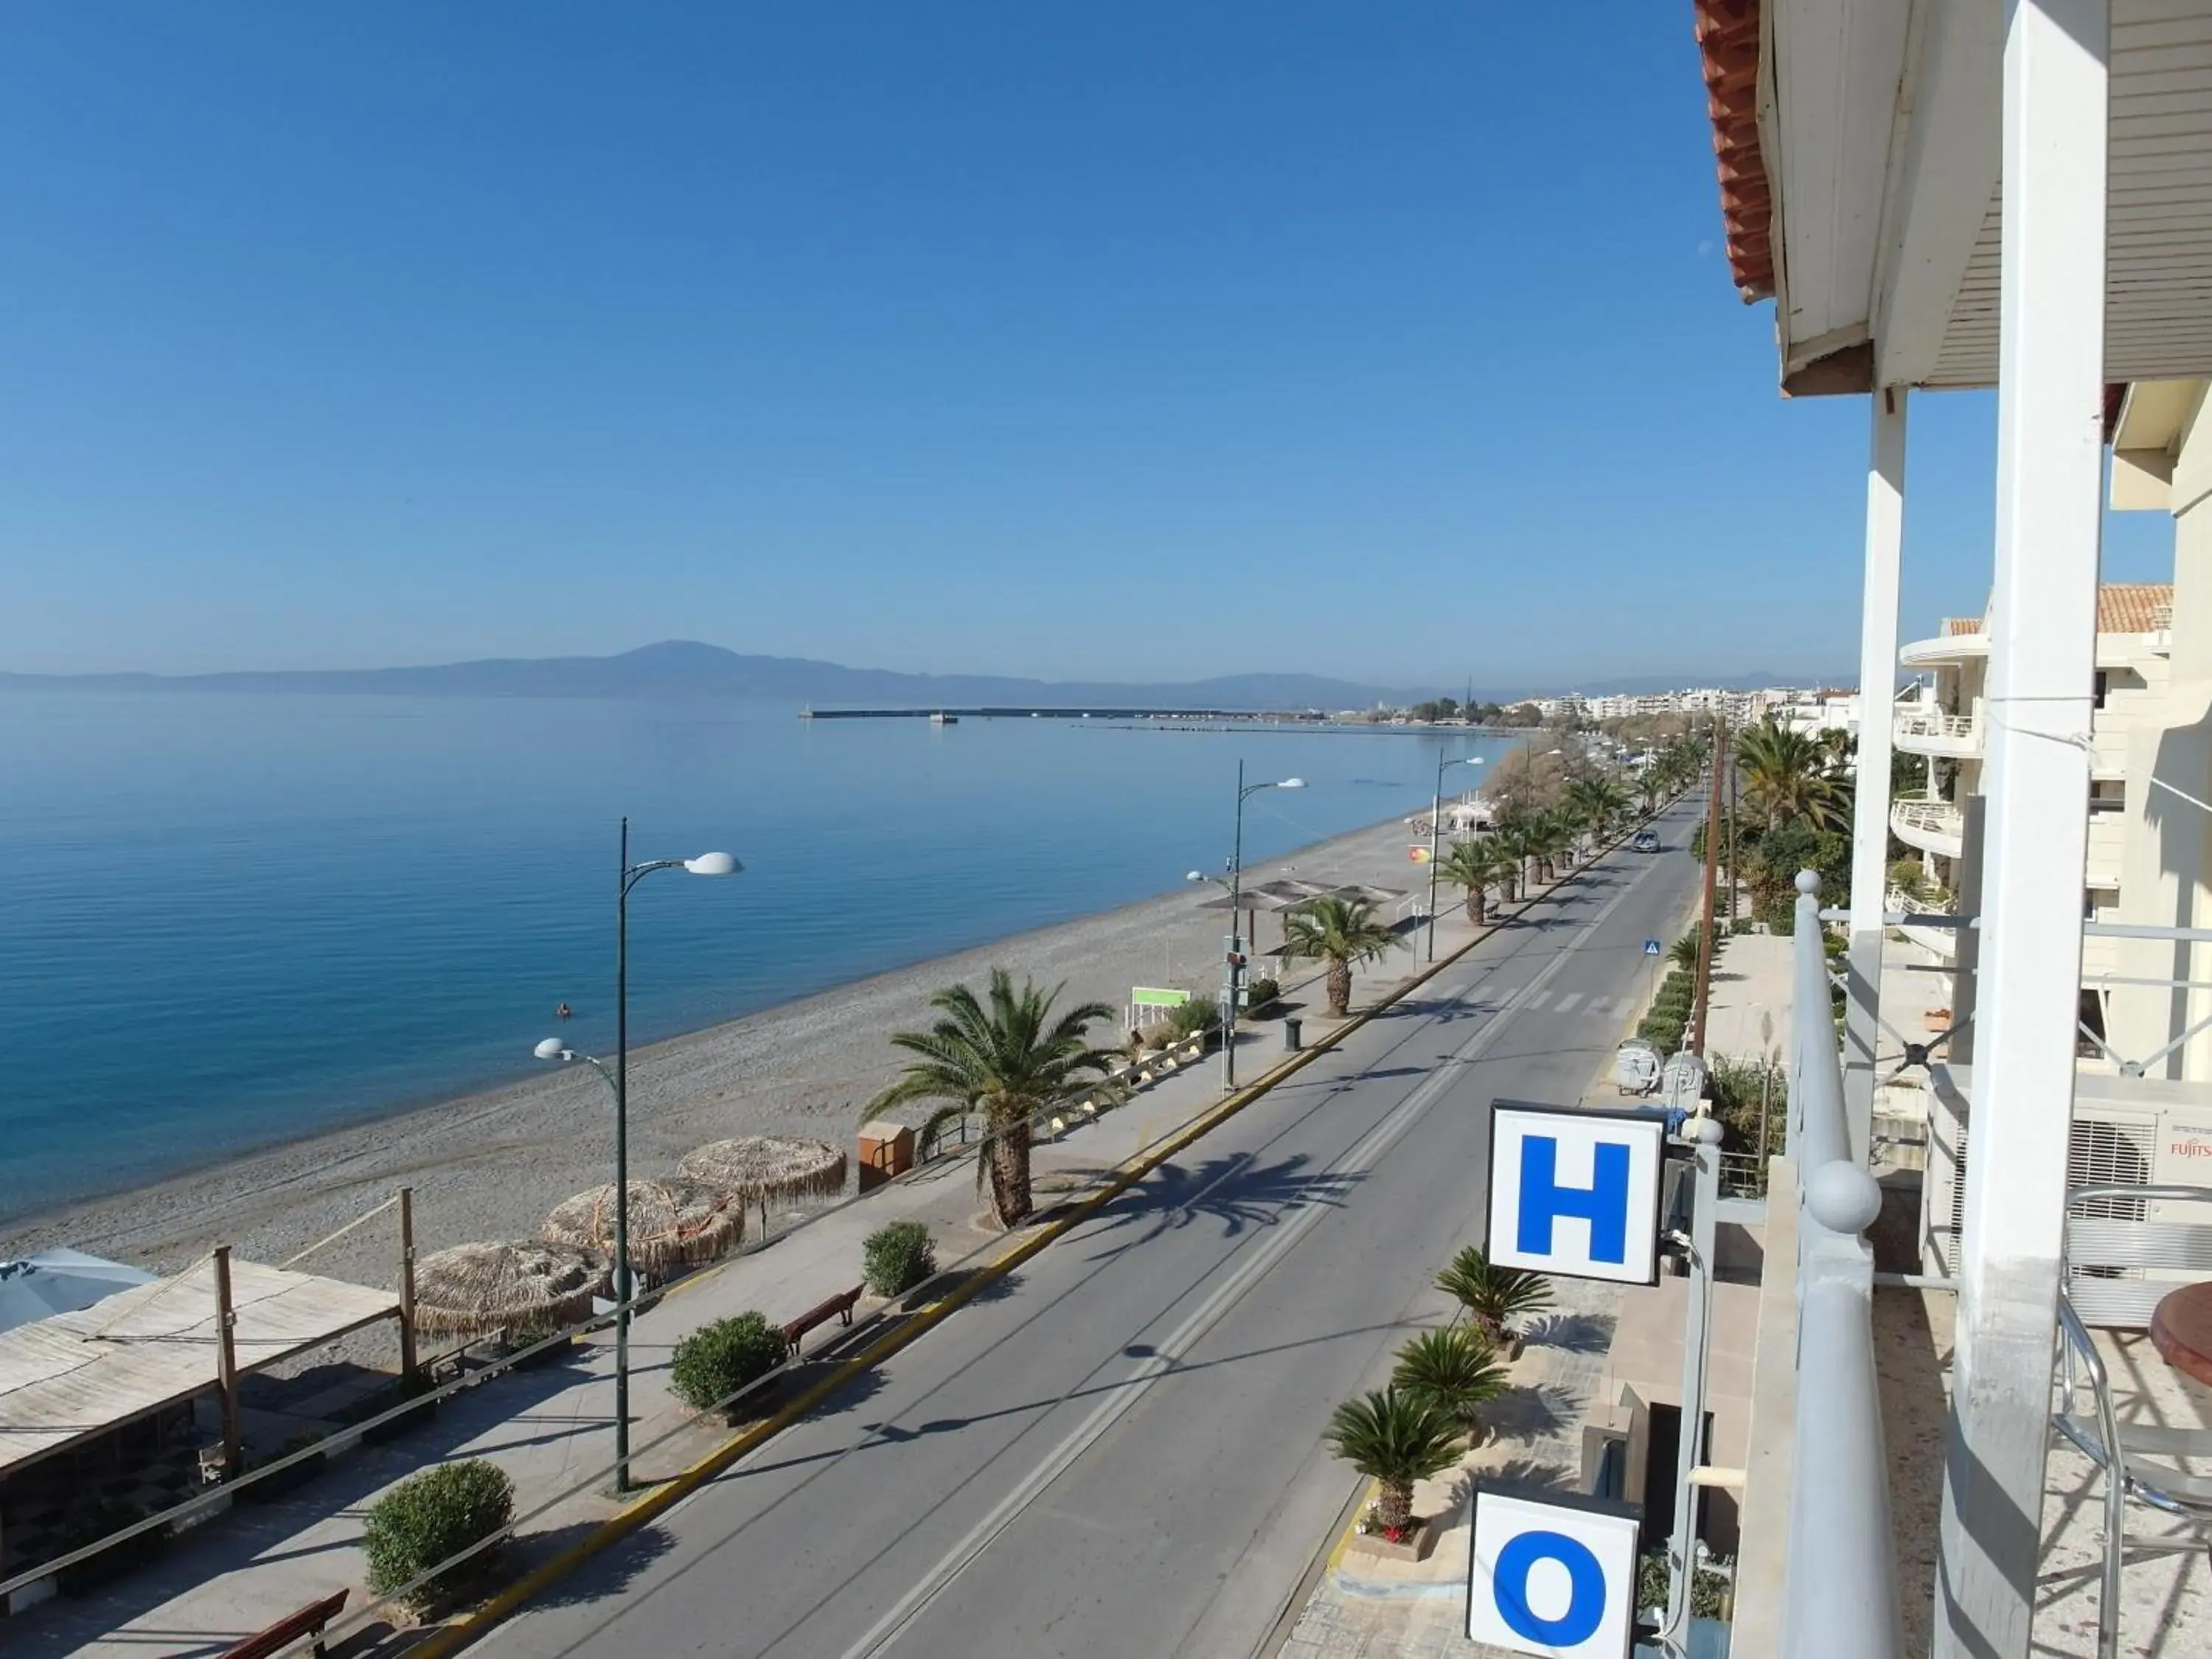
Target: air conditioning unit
<point x="2126" y="1132"/>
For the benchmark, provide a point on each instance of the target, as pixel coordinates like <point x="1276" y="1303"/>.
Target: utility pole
<point x="1712" y="858"/>
<point x="1733" y="888"/>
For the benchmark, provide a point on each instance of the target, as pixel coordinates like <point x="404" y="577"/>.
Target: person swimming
<point x="562" y="1012"/>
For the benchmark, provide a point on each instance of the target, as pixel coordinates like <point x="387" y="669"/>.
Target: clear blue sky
<point x="1134" y="341"/>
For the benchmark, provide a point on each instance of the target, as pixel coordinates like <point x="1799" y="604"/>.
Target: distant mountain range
<point x="682" y="668"/>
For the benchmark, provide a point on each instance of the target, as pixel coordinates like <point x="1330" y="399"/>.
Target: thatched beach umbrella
<point x="480" y="1287"/>
<point x="755" y="1169"/>
<point x="673" y="1224"/>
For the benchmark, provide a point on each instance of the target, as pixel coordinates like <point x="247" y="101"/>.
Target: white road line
<point x="1598" y="1004"/>
<point x="1124" y="1395"/>
<point x="1567" y="1002"/>
<point x="1535" y="1002"/>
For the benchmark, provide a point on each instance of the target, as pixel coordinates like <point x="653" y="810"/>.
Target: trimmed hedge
<point x="430" y="1516"/>
<point x="716" y="1360"/>
<point x="897" y="1257"/>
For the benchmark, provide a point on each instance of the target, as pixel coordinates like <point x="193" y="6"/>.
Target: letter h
<point x="1604" y="1204"/>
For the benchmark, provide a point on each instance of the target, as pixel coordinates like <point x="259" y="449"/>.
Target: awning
<point x="78" y="1375"/>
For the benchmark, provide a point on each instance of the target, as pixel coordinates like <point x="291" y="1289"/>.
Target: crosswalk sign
<point x="1651" y="948"/>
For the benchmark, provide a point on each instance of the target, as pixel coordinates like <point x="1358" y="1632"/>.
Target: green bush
<point x="1260" y="990"/>
<point x="716" y="1360"/>
<point x="430" y="1516"/>
<point x="897" y="1257"/>
<point x="1201" y="1013"/>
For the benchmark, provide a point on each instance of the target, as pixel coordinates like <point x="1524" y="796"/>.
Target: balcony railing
<point x="1841" y="1598"/>
<point x="1924" y="723"/>
<point x="1935" y="824"/>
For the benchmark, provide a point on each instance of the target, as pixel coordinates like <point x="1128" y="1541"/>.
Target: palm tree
<point x="1454" y="1370"/>
<point x="1475" y="866"/>
<point x="1596" y="801"/>
<point x="1339" y="932"/>
<point x="1493" y="1296"/>
<point x="1518" y="839"/>
<point x="1788" y="774"/>
<point x="1394" y="1440"/>
<point x="1684" y="952"/>
<point x="1555" y="843"/>
<point x="1011" y="1061"/>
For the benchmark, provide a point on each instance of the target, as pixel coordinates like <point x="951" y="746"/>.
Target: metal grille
<point x="2111" y="1152"/>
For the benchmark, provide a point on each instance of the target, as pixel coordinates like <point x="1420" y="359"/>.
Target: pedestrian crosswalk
<point x="1510" y="998"/>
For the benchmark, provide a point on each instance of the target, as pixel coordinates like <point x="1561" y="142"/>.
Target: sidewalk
<point x="551" y="1428"/>
<point x="1365" y="1605"/>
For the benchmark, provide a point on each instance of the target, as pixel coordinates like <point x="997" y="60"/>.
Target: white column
<point x="2042" y="646"/>
<point x="1884" y="542"/>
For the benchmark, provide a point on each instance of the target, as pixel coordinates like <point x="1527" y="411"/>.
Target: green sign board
<point x="1148" y="996"/>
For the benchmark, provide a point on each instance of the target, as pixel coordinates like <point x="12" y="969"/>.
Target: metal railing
<point x="1841" y="1598"/>
<point x="1927" y="818"/>
<point x="1926" y="720"/>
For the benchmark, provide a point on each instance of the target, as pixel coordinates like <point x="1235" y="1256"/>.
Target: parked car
<point x="1645" y="842"/>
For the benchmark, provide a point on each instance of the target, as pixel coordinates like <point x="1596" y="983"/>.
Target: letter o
<point x="1585" y="1601"/>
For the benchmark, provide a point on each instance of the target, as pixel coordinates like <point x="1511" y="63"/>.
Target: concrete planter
<point x="1417" y="1548"/>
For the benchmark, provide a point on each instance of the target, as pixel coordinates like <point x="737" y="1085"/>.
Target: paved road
<point x="1119" y="1454"/>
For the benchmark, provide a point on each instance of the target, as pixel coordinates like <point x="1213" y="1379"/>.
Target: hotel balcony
<point x="1925" y="729"/>
<point x="1933" y="826"/>
<point x="1946" y="647"/>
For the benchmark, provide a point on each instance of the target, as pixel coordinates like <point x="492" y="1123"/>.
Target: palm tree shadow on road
<point x="1234" y="1189"/>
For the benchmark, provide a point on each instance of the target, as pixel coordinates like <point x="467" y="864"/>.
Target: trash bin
<point x="1291" y="1034"/>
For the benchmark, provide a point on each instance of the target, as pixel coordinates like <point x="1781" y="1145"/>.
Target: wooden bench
<point x="308" y="1621"/>
<point x="838" y="1307"/>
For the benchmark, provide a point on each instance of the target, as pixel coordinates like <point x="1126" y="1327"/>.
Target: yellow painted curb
<point x="457" y="1634"/>
<point x="1352" y="1527"/>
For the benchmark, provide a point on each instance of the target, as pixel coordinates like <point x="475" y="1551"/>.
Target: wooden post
<point x="226" y="1365"/>
<point x="1713" y="857"/>
<point x="407" y="1361"/>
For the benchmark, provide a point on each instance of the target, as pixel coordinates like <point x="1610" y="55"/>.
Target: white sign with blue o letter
<point x="1576" y="1192"/>
<point x="1553" y="1574"/>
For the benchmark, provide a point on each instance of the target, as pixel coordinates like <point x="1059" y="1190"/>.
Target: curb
<point x="457" y="1634"/>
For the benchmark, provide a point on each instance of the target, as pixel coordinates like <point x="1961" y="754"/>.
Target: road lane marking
<point x="1124" y="1394"/>
<point x="1535" y="1002"/>
<point x="1598" y="1004"/>
<point x="1567" y="1002"/>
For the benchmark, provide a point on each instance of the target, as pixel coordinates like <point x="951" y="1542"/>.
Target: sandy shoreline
<point x="490" y="1165"/>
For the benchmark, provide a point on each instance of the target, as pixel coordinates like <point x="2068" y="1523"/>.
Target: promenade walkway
<point x="550" y="1428"/>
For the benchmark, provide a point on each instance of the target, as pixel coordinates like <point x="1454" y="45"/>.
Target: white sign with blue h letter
<point x="1576" y="1192"/>
<point x="1553" y="1575"/>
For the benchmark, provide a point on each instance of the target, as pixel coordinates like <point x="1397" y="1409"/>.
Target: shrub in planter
<point x="1261" y="990"/>
<point x="716" y="1360"/>
<point x="1199" y="1014"/>
<point x="428" y="1517"/>
<point x="897" y="1257"/>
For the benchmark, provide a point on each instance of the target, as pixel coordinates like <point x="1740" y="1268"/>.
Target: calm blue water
<point x="231" y="920"/>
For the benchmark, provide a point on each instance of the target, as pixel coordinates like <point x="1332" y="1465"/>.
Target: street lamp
<point x="706" y="864"/>
<point x="1231" y="968"/>
<point x="1436" y="831"/>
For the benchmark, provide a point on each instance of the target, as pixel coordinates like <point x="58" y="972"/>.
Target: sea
<point x="230" y="919"/>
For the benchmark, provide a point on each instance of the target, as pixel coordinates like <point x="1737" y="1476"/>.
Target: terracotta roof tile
<point x="2134" y="607"/>
<point x="2122" y="608"/>
<point x="1728" y="42"/>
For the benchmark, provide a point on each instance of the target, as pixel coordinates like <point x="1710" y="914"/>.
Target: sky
<point x="1150" y="340"/>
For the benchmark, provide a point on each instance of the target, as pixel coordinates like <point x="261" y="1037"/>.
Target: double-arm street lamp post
<point x="1436" y="833"/>
<point x="707" y="864"/>
<point x="1233" y="962"/>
